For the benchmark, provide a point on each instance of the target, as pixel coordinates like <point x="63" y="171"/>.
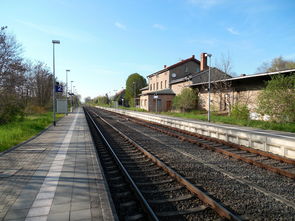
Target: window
<point x="151" y="87"/>
<point x="186" y="69"/>
<point x="165" y="83"/>
<point x="161" y="84"/>
<point x="157" y="85"/>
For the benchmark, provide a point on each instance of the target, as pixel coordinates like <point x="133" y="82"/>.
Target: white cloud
<point x="205" y="3"/>
<point x="159" y="26"/>
<point x="120" y="26"/>
<point x="232" y="31"/>
<point x="57" y="31"/>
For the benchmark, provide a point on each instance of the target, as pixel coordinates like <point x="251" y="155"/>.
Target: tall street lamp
<point x="67" y="90"/>
<point x="209" y="85"/>
<point x="72" y="96"/>
<point x="134" y="93"/>
<point x="53" y="81"/>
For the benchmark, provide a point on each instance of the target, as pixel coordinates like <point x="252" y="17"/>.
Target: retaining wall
<point x="280" y="143"/>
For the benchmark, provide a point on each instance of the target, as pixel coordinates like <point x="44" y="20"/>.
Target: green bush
<point x="186" y="100"/>
<point x="278" y="99"/>
<point x="10" y="109"/>
<point x="240" y="112"/>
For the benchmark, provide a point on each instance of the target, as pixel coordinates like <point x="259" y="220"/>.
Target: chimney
<point x="165" y="66"/>
<point x="203" y="65"/>
<point x="193" y="56"/>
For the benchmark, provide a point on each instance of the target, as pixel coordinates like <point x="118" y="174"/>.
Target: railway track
<point x="262" y="159"/>
<point x="162" y="192"/>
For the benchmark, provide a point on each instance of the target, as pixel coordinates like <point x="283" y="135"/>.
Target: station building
<point x="226" y="90"/>
<point x="165" y="84"/>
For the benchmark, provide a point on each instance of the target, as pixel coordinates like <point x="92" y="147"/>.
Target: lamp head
<point x="56" y="41"/>
<point x="208" y="55"/>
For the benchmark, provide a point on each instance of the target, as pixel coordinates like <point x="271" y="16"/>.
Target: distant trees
<point x="277" y="64"/>
<point x="278" y="99"/>
<point x="102" y="100"/>
<point x="99" y="100"/>
<point x="133" y="84"/>
<point x="25" y="87"/>
<point x="186" y="100"/>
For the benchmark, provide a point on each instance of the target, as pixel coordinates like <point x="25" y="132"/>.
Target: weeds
<point x="18" y="131"/>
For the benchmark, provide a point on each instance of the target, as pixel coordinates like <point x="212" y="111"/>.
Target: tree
<point x="278" y="99"/>
<point x="24" y="87"/>
<point x="186" y="100"/>
<point x="12" y="78"/>
<point x="225" y="64"/>
<point x="42" y="84"/>
<point x="87" y="100"/>
<point x="103" y="100"/>
<point x="277" y="64"/>
<point x="133" y="84"/>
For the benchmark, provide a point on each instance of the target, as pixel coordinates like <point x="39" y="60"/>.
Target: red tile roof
<point x="192" y="58"/>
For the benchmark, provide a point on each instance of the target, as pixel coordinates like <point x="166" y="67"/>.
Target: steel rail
<point x="220" y="209"/>
<point x="143" y="201"/>
<point x="216" y="149"/>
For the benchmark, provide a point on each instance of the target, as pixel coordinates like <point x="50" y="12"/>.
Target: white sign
<point x="61" y="106"/>
<point x="156" y="96"/>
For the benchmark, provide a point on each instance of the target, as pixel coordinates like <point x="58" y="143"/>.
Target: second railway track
<point x="262" y="159"/>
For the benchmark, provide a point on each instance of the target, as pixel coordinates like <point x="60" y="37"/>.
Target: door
<point x="168" y="105"/>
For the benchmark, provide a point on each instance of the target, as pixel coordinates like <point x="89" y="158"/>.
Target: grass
<point x="266" y="125"/>
<point x="18" y="131"/>
<point x="132" y="108"/>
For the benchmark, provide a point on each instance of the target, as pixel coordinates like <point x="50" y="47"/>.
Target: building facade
<point x="158" y="95"/>
<point x="244" y="89"/>
<point x="226" y="90"/>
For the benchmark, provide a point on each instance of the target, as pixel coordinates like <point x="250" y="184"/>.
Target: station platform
<point x="55" y="176"/>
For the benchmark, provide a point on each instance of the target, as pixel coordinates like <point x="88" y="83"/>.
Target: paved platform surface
<point x="55" y="176"/>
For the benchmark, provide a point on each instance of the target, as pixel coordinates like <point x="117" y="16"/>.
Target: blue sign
<point x="58" y="88"/>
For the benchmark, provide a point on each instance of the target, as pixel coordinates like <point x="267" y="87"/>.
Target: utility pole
<point x="134" y="93"/>
<point x="209" y="85"/>
<point x="53" y="81"/>
<point x="67" y="90"/>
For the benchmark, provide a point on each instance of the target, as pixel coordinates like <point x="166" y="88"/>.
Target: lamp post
<point x="72" y="96"/>
<point x="74" y="99"/>
<point x="53" y="81"/>
<point x="67" y="90"/>
<point x="156" y="94"/>
<point x="114" y="98"/>
<point x="209" y="85"/>
<point x="134" y="93"/>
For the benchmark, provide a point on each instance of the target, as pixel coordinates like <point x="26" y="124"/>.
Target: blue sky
<point x="103" y="42"/>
